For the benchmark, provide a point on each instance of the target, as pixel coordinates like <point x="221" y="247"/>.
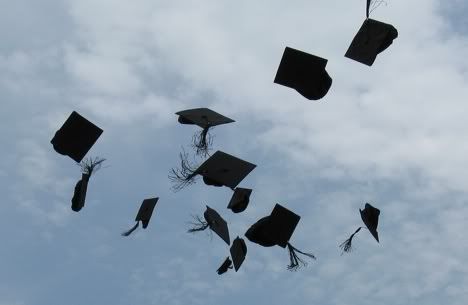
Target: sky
<point x="393" y="134"/>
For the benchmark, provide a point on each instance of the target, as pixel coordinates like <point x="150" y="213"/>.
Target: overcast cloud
<point x="393" y="134"/>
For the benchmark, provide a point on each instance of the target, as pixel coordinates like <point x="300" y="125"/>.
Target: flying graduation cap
<point x="206" y="119"/>
<point x="214" y="222"/>
<point x="238" y="252"/>
<point x="277" y="229"/>
<point x="372" y="38"/>
<point x="239" y="200"/>
<point x="144" y="215"/>
<point x="370" y="217"/>
<point x="305" y="73"/>
<point x="76" y="137"/>
<point x="221" y="169"/>
<point x="88" y="167"/>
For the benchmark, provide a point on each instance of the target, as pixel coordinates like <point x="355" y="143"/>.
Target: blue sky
<point x="393" y="134"/>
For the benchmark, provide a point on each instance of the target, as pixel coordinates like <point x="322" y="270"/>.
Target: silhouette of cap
<point x="239" y="200"/>
<point x="305" y="73"/>
<point x="217" y="224"/>
<point x="225" y="266"/>
<point x="275" y="229"/>
<point x="372" y="38"/>
<point x="223" y="169"/>
<point x="238" y="252"/>
<point x="370" y="217"/>
<point x="202" y="117"/>
<point x="146" y="210"/>
<point x="76" y="137"/>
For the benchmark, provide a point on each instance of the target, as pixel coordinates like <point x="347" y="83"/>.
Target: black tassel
<point x="295" y="262"/>
<point x="127" y="233"/>
<point x="346" y="246"/>
<point x="202" y="141"/>
<point x="183" y="176"/>
<point x="90" y="165"/>
<point x="198" y="225"/>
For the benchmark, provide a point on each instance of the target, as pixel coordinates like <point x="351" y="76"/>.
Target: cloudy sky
<point x="394" y="134"/>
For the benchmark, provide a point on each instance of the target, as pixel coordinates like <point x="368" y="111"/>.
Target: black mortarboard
<point x="370" y="217"/>
<point x="372" y="38"/>
<point x="202" y="117"/>
<point x="215" y="222"/>
<point x="206" y="119"/>
<point x="225" y="266"/>
<point x="305" y="73"/>
<point x="76" y="137"/>
<point x="238" y="252"/>
<point x="239" y="200"/>
<point x="224" y="169"/>
<point x="277" y="229"/>
<point x="144" y="214"/>
<point x="88" y="167"/>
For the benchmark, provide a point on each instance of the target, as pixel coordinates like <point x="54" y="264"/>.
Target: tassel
<point x="90" y="165"/>
<point x="127" y="233"/>
<point x="346" y="246"/>
<point x="295" y="261"/>
<point x="198" y="225"/>
<point x="202" y="141"/>
<point x="183" y="176"/>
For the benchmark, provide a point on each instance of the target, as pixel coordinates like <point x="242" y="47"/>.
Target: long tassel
<point x="295" y="262"/>
<point x="183" y="176"/>
<point x="202" y="142"/>
<point x="346" y="246"/>
<point x="127" y="233"/>
<point x="198" y="225"/>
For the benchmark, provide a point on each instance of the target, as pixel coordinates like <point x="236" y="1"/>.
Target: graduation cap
<point x="214" y="221"/>
<point x="88" y="167"/>
<point x="239" y="200"/>
<point x="277" y="229"/>
<point x="372" y="38"/>
<point x="221" y="169"/>
<point x="370" y="217"/>
<point x="225" y="266"/>
<point x="76" y="137"/>
<point x="144" y="214"/>
<point x="305" y="73"/>
<point x="238" y="252"/>
<point x="206" y="119"/>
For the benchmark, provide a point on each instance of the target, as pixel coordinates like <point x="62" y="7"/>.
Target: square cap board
<point x="238" y="252"/>
<point x="202" y="117"/>
<point x="76" y="137"/>
<point x="217" y="224"/>
<point x="282" y="224"/>
<point x="225" y="169"/>
<point x="372" y="38"/>
<point x="146" y="210"/>
<point x="305" y="73"/>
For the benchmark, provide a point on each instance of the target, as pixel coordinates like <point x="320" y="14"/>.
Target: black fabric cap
<point x="260" y="233"/>
<point x="370" y="217"/>
<point x="372" y="38"/>
<point x="146" y="210"/>
<point x="79" y="195"/>
<point x="225" y="266"/>
<point x="305" y="73"/>
<point x="275" y="229"/>
<point x="202" y="117"/>
<point x="239" y="200"/>
<point x="76" y="137"/>
<point x="224" y="169"/>
<point x="217" y="224"/>
<point x="238" y="252"/>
